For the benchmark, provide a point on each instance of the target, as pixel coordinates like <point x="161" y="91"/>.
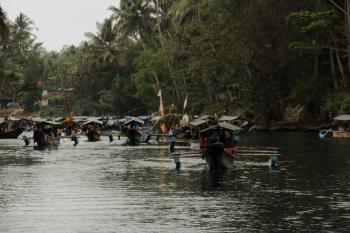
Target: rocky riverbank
<point x="294" y="119"/>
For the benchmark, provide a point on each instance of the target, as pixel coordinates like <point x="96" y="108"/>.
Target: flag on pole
<point x="185" y="103"/>
<point x="161" y="106"/>
<point x="160" y="94"/>
<point x="171" y="107"/>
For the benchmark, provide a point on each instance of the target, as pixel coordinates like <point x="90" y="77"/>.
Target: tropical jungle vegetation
<point x="254" y="57"/>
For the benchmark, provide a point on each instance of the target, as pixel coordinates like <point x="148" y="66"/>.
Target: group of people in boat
<point x="46" y="136"/>
<point x="11" y="128"/>
<point x="219" y="138"/>
<point x="91" y="132"/>
<point x="343" y="129"/>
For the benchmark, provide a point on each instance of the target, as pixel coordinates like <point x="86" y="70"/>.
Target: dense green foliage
<point x="22" y="64"/>
<point x="257" y="56"/>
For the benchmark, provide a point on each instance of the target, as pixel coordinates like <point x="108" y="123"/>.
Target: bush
<point x="337" y="103"/>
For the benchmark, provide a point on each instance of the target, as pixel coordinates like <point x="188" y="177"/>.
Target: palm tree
<point x="182" y="12"/>
<point x="4" y="27"/>
<point x="24" y="26"/>
<point x="135" y="18"/>
<point x="103" y="46"/>
<point x="163" y="5"/>
<point x="22" y="37"/>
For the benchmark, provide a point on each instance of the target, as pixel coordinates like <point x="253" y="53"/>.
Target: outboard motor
<point x="177" y="162"/>
<point x="26" y="140"/>
<point x="273" y="161"/>
<point x="148" y="138"/>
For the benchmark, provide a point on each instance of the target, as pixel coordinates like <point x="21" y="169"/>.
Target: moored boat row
<point x="217" y="137"/>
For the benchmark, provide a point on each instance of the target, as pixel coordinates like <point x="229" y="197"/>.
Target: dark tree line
<point x="257" y="56"/>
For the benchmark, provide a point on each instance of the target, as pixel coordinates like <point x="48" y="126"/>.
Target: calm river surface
<point x="103" y="187"/>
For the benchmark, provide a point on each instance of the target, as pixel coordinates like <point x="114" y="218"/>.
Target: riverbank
<point x="17" y="112"/>
<point x="290" y="126"/>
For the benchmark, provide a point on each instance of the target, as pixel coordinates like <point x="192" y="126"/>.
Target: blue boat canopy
<point x="135" y="119"/>
<point x="144" y="117"/>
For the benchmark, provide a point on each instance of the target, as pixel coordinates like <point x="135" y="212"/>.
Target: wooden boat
<point x="343" y="121"/>
<point x="11" y="134"/>
<point x="341" y="134"/>
<point x="217" y="157"/>
<point x="91" y="126"/>
<point x="52" y="145"/>
<point x="134" y="137"/>
<point x="45" y="134"/>
<point x="93" y="136"/>
<point x="131" y="127"/>
<point x="9" y="129"/>
<point x="183" y="143"/>
<point x="218" y="142"/>
<point x="42" y="141"/>
<point x="163" y="139"/>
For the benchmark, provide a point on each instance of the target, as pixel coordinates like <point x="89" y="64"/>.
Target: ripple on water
<point x="107" y="187"/>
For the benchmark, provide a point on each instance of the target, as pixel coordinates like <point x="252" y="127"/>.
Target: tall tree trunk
<point x="162" y="44"/>
<point x="207" y="87"/>
<point x="333" y="72"/>
<point x="282" y="105"/>
<point x="340" y="67"/>
<point x="156" y="80"/>
<point x="345" y="9"/>
<point x="338" y="59"/>
<point x="316" y="67"/>
<point x="347" y="30"/>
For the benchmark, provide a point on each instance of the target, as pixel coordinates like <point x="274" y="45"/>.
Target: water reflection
<point x="18" y="161"/>
<point x="105" y="187"/>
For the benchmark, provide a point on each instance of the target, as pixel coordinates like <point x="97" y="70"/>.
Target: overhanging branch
<point x="337" y="6"/>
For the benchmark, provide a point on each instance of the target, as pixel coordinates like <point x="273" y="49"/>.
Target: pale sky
<point x="61" y="22"/>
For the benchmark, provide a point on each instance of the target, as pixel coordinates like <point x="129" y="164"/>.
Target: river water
<point x="107" y="187"/>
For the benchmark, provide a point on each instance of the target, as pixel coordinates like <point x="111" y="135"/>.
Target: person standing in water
<point x="74" y="137"/>
<point x="110" y="136"/>
<point x="172" y="140"/>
